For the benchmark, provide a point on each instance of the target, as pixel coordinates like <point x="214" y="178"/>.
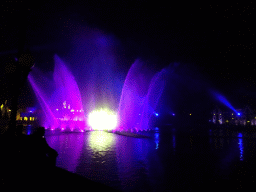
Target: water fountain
<point x="223" y="100"/>
<point x="140" y="95"/>
<point x="63" y="106"/>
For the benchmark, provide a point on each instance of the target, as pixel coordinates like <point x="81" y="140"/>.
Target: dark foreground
<point x="19" y="171"/>
<point x="193" y="160"/>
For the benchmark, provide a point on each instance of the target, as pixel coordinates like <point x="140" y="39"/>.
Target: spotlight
<point x="103" y="119"/>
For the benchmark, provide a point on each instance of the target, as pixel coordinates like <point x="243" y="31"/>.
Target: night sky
<point x="212" y="42"/>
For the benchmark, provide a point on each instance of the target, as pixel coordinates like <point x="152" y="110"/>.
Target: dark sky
<point x="214" y="39"/>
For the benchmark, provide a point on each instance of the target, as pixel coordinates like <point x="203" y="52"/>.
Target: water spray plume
<point x="63" y="89"/>
<point x="222" y="99"/>
<point x="140" y="96"/>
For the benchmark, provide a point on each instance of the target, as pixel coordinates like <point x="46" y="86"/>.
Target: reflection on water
<point x="240" y="144"/>
<point x="157" y="140"/>
<point x="100" y="142"/>
<point x="156" y="137"/>
<point x="69" y="147"/>
<point x="173" y="142"/>
<point x="134" y="164"/>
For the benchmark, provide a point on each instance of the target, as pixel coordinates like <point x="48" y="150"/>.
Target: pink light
<point x="82" y="130"/>
<point x="62" y="129"/>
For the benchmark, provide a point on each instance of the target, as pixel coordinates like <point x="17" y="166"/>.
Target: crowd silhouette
<point x="25" y="157"/>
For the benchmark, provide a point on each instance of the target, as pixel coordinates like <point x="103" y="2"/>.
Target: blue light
<point x="157" y="114"/>
<point x="238" y="113"/>
<point x="173" y="114"/>
<point x="157" y="140"/>
<point x="224" y="101"/>
<point x="173" y="142"/>
<point x="241" y="148"/>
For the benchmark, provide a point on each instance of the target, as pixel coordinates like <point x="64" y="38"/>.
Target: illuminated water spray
<point x="63" y="109"/>
<point x="140" y="96"/>
<point x="225" y="102"/>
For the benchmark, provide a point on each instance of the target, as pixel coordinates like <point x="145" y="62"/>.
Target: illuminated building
<point x="27" y="117"/>
<point x="238" y="117"/>
<point x="67" y="118"/>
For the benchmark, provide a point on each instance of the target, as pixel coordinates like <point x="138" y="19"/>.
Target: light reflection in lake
<point x="240" y="144"/>
<point x="131" y="164"/>
<point x="100" y="142"/>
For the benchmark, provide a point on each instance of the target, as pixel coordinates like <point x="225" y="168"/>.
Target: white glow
<point x="102" y="120"/>
<point x="99" y="141"/>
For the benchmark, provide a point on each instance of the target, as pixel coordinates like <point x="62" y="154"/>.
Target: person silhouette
<point x="41" y="150"/>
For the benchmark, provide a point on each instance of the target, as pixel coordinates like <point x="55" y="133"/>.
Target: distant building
<point x="27" y="117"/>
<point x="244" y="116"/>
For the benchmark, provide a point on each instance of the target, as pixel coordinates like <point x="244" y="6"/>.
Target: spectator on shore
<point x="42" y="150"/>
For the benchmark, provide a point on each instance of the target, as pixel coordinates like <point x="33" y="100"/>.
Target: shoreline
<point x="129" y="134"/>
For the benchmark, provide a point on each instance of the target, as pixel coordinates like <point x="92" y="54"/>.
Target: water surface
<point x="168" y="161"/>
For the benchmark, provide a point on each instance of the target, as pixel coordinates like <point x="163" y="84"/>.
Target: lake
<point x="170" y="160"/>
